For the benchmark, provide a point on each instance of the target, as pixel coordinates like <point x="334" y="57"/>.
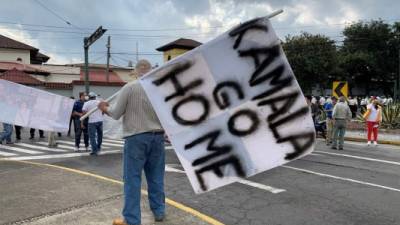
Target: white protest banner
<point x="232" y="107"/>
<point x="30" y="107"/>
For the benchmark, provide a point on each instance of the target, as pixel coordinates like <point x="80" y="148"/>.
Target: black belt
<point x="154" y="132"/>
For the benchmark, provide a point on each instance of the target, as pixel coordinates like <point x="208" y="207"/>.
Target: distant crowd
<point x="331" y="114"/>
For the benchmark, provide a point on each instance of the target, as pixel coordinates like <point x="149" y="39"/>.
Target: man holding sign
<point x="143" y="149"/>
<point x="232" y="108"/>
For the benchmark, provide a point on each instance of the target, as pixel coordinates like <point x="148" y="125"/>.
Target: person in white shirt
<point x="322" y="101"/>
<point x="353" y="106"/>
<point x="373" y="117"/>
<point x="95" y="125"/>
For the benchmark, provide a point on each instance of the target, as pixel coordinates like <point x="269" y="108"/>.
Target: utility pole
<point x="398" y="80"/>
<point x="108" y="59"/>
<point x="87" y="41"/>
<point x="137" y="52"/>
<point x="86" y="48"/>
<point x="397" y="83"/>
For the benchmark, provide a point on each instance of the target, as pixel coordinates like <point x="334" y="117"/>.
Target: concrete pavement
<point x="37" y="194"/>
<point x="359" y="185"/>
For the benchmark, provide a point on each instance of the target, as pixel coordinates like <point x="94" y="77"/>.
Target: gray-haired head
<point x="342" y="99"/>
<point x="142" y="67"/>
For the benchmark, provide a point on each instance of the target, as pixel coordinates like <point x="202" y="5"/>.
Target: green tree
<point x="395" y="54"/>
<point x="313" y="59"/>
<point x="366" y="56"/>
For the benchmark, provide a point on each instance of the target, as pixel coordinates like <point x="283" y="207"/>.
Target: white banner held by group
<point x="30" y="107"/>
<point x="232" y="107"/>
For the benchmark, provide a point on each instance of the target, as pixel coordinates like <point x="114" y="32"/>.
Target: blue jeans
<point x="7" y="132"/>
<point x="143" y="151"/>
<point x="339" y="129"/>
<point x="96" y="136"/>
<point x="79" y="131"/>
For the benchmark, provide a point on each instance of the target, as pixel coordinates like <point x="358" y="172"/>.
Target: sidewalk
<point x="383" y="138"/>
<point x="42" y="195"/>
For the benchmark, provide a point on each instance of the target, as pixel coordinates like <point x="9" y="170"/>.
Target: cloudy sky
<point x="149" y="24"/>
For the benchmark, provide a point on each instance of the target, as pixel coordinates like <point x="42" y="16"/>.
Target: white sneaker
<point x="369" y="143"/>
<point x="375" y="143"/>
<point x="76" y="149"/>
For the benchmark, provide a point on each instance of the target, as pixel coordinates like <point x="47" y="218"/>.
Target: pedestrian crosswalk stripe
<point x="58" y="145"/>
<point x="111" y="144"/>
<point x="103" y="143"/>
<point x="66" y="155"/>
<point x="40" y="147"/>
<point x="114" y="141"/>
<point x="73" y="143"/>
<point x="16" y="149"/>
<point x="7" y="154"/>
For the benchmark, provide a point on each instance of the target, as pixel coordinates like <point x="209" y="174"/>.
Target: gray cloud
<point x="326" y="17"/>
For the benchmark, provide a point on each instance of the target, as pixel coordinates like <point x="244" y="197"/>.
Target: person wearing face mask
<point x="80" y="128"/>
<point x="373" y="117"/>
<point x="95" y="125"/>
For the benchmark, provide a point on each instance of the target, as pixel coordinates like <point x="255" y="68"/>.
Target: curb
<point x="365" y="140"/>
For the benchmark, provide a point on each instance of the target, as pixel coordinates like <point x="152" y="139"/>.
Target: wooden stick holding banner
<point x="109" y="99"/>
<point x="114" y="95"/>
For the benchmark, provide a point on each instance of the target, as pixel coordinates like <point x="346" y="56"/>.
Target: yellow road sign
<point x="340" y="88"/>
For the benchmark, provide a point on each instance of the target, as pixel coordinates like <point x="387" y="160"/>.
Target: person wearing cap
<point x="341" y="113"/>
<point x="95" y="124"/>
<point x="76" y="114"/>
<point x="143" y="149"/>
<point x="373" y="116"/>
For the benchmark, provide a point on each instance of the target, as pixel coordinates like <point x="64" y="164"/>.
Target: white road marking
<point x="114" y="141"/>
<point x="67" y="155"/>
<point x="73" y="143"/>
<point x="169" y="168"/>
<point x="58" y="145"/>
<point x="262" y="186"/>
<point x="112" y="144"/>
<point x="7" y="154"/>
<point x="21" y="150"/>
<point x="361" y="157"/>
<point x="40" y="147"/>
<point x="273" y="190"/>
<point x="343" y="178"/>
<point x="316" y="154"/>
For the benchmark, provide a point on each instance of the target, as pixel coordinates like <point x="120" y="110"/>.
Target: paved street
<point x="360" y="185"/>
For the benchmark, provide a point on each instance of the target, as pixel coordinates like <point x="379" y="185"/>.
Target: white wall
<point x="103" y="91"/>
<point x="13" y="54"/>
<point x="62" y="92"/>
<point x="63" y="78"/>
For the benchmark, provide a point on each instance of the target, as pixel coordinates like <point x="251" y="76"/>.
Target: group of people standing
<point x="91" y="127"/>
<point x="339" y="111"/>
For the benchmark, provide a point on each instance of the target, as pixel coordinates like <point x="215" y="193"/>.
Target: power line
<point x="55" y="14"/>
<point x="115" y="62"/>
<point x="173" y="29"/>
